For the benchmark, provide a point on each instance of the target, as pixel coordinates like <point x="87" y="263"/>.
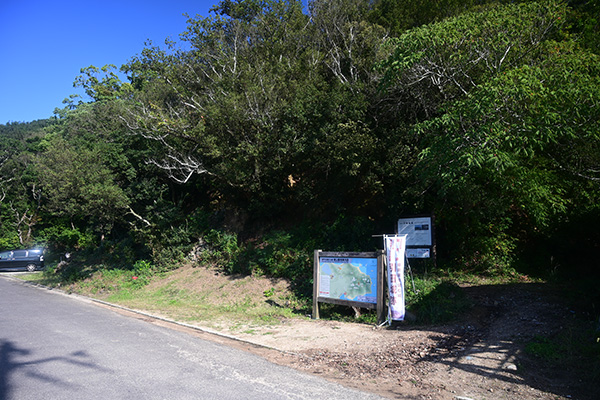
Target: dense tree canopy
<point x="327" y="123"/>
<point x="499" y="95"/>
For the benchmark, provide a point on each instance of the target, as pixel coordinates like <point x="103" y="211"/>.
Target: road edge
<point x="167" y="322"/>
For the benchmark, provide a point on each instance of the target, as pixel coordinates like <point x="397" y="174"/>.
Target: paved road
<point x="56" y="347"/>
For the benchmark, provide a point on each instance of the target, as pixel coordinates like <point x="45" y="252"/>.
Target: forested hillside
<point x="268" y="131"/>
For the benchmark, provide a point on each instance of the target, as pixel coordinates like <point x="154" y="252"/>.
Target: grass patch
<point x="436" y="301"/>
<point x="431" y="300"/>
<point x="577" y="347"/>
<point x="543" y="348"/>
<point x="181" y="297"/>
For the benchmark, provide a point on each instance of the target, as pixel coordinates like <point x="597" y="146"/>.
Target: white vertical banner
<point x="395" y="247"/>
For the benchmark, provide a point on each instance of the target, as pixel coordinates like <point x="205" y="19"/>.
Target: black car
<point x="29" y="260"/>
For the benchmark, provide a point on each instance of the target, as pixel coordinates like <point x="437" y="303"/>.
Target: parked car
<point x="15" y="260"/>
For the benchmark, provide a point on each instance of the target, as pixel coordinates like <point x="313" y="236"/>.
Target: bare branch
<point x="181" y="168"/>
<point x="139" y="217"/>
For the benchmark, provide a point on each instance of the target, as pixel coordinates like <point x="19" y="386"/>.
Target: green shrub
<point x="143" y="267"/>
<point x="221" y="248"/>
<point x="274" y="255"/>
<point x="168" y="258"/>
<point x="73" y="272"/>
<point x="9" y="242"/>
<point x="69" y="238"/>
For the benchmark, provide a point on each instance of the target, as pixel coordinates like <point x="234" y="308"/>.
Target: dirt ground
<point x="479" y="357"/>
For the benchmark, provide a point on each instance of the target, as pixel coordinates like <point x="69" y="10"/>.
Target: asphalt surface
<point x="55" y="346"/>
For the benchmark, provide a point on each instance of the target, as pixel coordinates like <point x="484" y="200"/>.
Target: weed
<point x="436" y="301"/>
<point x="143" y="267"/>
<point x="542" y="347"/>
<point x="576" y="347"/>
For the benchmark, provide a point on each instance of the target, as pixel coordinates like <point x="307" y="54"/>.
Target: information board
<point x="418" y="230"/>
<point x="348" y="278"/>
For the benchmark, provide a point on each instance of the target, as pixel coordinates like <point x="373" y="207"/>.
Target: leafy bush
<point x="9" y="242"/>
<point x="170" y="248"/>
<point x="118" y="253"/>
<point x="143" y="267"/>
<point x="274" y="255"/>
<point x="67" y="238"/>
<point x="220" y="248"/>
<point x="168" y="258"/>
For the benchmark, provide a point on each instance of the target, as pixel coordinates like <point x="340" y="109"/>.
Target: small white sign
<point x="418" y="253"/>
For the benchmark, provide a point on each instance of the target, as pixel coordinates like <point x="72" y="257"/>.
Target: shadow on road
<point x="15" y="360"/>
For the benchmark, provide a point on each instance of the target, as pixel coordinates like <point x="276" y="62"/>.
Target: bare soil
<point x="481" y="356"/>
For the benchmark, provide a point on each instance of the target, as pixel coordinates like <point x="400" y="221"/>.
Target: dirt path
<point x="479" y="358"/>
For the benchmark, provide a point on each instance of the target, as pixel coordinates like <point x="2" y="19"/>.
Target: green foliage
<point x="434" y="301"/>
<point x="117" y="281"/>
<point x="143" y="267"/>
<point x="222" y="249"/>
<point x="584" y="23"/>
<point x="11" y="242"/>
<point x="98" y="278"/>
<point x="440" y="62"/>
<point x="20" y="194"/>
<point x="260" y="132"/>
<point x="78" y="184"/>
<point x="401" y="15"/>
<point x="102" y="84"/>
<point x="501" y="100"/>
<point x="117" y="253"/>
<point x="284" y="253"/>
<point x="67" y="238"/>
<point x="168" y="258"/>
<point x="514" y="154"/>
<point x="276" y="254"/>
<point x="70" y="272"/>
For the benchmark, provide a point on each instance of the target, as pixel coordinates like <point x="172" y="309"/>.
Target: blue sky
<point x="44" y="44"/>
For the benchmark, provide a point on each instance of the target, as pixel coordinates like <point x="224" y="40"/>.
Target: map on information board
<point x="352" y="279"/>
